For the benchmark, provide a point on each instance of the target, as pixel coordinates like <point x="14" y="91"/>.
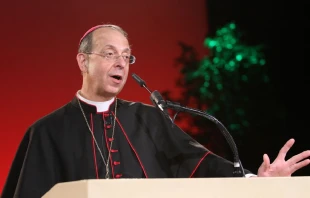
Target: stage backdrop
<point x="39" y="41"/>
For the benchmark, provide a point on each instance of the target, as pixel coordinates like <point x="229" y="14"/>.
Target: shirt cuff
<point x="250" y="175"/>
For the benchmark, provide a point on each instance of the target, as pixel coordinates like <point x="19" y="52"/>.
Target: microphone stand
<point x="163" y="105"/>
<point x="238" y="168"/>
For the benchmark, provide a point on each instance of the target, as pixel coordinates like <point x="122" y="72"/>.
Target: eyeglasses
<point x="112" y="56"/>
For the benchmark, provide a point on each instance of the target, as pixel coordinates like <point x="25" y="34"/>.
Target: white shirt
<point x="101" y="106"/>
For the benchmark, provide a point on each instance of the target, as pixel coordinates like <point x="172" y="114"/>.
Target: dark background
<point x="282" y="28"/>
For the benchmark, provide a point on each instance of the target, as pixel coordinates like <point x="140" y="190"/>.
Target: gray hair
<point x="86" y="41"/>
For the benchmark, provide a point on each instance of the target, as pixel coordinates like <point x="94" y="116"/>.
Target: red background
<point x="39" y="41"/>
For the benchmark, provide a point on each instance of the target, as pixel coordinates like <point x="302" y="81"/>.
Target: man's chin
<point x="111" y="92"/>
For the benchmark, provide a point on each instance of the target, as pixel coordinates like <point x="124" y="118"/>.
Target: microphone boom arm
<point x="238" y="169"/>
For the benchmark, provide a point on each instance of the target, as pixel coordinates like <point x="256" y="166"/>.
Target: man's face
<point x="106" y="75"/>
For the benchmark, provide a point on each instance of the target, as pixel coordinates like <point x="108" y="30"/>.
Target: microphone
<point x="163" y="105"/>
<point x="156" y="97"/>
<point x="140" y="81"/>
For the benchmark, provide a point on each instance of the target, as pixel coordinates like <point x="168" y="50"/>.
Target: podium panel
<point x="259" y="187"/>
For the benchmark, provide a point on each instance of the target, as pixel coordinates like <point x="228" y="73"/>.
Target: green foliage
<point x="231" y="83"/>
<point x="224" y="78"/>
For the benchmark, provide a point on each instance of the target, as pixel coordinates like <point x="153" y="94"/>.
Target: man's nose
<point x="120" y="61"/>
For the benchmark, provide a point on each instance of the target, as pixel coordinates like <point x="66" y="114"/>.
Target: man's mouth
<point x="117" y="77"/>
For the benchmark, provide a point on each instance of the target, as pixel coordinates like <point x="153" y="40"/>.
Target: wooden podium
<point x="275" y="187"/>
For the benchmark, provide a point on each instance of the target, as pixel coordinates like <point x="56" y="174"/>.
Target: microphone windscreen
<point x="138" y="80"/>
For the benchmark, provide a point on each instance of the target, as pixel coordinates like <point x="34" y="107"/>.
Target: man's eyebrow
<point x="114" y="48"/>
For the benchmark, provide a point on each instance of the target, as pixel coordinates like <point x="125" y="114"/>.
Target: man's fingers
<point x="300" y="165"/>
<point x="293" y="160"/>
<point x="285" y="149"/>
<point x="266" y="162"/>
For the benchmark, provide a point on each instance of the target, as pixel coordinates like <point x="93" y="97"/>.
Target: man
<point x="97" y="135"/>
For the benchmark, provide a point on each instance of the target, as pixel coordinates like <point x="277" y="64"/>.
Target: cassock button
<point x="106" y="115"/>
<point x="116" y="163"/>
<point x="114" y="150"/>
<point x="111" y="139"/>
<point x="108" y="126"/>
<point x="118" y="175"/>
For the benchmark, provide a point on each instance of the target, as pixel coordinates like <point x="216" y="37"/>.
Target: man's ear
<point x="82" y="60"/>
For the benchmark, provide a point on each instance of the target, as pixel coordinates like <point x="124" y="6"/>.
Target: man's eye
<point x="109" y="54"/>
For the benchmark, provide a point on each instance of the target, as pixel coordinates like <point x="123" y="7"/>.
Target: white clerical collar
<point x="101" y="106"/>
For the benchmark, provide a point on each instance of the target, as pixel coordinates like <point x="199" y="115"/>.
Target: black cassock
<point x="60" y="148"/>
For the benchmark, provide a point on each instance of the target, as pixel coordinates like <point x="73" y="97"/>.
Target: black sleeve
<point x="190" y="158"/>
<point x="215" y="166"/>
<point x="35" y="167"/>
